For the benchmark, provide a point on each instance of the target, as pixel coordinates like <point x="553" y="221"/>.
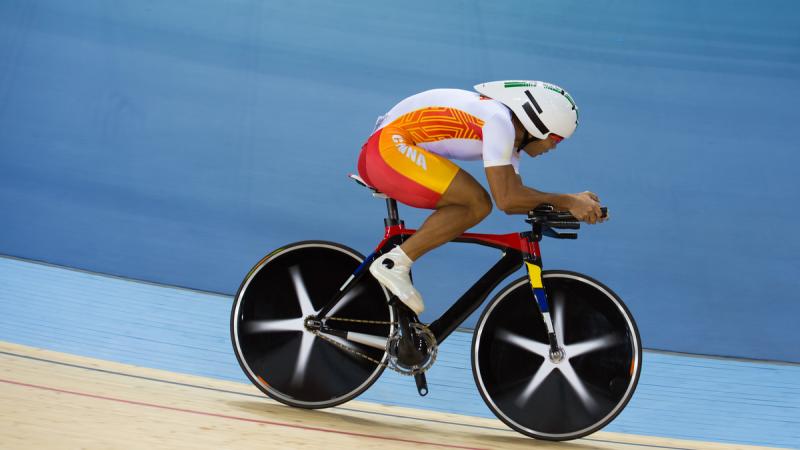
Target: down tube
<point x="475" y="295"/>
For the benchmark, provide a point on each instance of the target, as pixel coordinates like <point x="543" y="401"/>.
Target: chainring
<point x="421" y="332"/>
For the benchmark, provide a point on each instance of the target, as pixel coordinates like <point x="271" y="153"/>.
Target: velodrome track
<point x="55" y="400"/>
<point x="91" y="361"/>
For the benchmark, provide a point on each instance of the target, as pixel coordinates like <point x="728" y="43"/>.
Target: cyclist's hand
<point x="586" y="207"/>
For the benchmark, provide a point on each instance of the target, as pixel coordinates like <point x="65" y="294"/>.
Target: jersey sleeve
<point x="498" y="143"/>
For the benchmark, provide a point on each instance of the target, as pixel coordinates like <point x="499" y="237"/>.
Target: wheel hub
<point x="312" y="324"/>
<point x="558" y="355"/>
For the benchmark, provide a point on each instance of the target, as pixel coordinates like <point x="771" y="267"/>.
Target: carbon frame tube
<point x="475" y="295"/>
<point x="358" y="274"/>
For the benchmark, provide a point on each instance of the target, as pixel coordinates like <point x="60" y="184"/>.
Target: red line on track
<point x="242" y="419"/>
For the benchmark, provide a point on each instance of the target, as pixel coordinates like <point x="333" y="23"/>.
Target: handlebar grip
<point x="547" y="213"/>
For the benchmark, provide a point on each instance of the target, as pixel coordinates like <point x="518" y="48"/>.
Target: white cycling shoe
<point x="391" y="270"/>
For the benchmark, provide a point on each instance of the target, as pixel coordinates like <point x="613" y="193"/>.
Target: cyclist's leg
<point x="421" y="179"/>
<point x="405" y="172"/>
<point x="463" y="205"/>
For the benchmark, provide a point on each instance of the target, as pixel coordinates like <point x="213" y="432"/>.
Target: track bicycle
<point x="556" y="355"/>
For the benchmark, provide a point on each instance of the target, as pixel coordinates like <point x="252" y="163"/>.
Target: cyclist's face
<point x="540" y="147"/>
<point x="533" y="147"/>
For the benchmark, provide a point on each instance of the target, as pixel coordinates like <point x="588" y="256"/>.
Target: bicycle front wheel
<point x="566" y="395"/>
<point x="276" y="351"/>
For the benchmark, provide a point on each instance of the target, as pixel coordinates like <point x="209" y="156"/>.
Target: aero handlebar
<point x="545" y="218"/>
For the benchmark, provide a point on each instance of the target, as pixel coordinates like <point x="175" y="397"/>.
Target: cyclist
<point x="409" y="155"/>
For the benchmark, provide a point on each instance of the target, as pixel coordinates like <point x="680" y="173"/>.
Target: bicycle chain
<point x="344" y="319"/>
<point x="385" y="365"/>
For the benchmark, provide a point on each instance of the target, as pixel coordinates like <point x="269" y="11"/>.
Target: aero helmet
<point x="543" y="108"/>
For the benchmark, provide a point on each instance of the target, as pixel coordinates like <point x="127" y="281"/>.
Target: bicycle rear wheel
<point x="278" y="354"/>
<point x="548" y="398"/>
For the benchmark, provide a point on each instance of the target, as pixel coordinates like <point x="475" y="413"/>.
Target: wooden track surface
<point x="56" y="400"/>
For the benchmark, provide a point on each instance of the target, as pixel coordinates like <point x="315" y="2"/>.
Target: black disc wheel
<point x="276" y="351"/>
<point x="566" y="394"/>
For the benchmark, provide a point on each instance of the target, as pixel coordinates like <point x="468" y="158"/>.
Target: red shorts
<point x="392" y="164"/>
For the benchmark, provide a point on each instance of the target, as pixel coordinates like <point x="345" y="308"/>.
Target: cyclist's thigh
<point x="465" y="190"/>
<point x="410" y="174"/>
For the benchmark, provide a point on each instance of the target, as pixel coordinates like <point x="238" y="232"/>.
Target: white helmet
<point x="543" y="108"/>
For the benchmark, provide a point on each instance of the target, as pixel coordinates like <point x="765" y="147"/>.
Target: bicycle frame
<point x="518" y="248"/>
<point x="365" y="330"/>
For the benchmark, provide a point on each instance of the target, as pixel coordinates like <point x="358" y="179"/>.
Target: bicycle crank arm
<point x="422" y="384"/>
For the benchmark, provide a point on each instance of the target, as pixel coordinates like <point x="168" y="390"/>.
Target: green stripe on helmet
<point x="513" y="84"/>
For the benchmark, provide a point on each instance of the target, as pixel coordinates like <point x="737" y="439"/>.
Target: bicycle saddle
<point x="375" y="193"/>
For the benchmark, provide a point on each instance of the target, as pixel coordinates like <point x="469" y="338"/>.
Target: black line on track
<point x="177" y="383"/>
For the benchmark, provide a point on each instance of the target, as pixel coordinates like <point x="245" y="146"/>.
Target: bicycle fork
<point x="535" y="276"/>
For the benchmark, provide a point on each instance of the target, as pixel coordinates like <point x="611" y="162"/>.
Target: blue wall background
<point x="179" y="141"/>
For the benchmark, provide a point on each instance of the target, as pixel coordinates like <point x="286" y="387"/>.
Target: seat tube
<point x="534" y="266"/>
<point x="392" y="213"/>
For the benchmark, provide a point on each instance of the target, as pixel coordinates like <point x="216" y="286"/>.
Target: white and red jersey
<point x="457" y="124"/>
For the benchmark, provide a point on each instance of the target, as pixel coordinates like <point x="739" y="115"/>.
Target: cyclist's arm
<point x="512" y="197"/>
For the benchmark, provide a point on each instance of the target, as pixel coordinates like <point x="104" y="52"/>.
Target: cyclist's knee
<point x="482" y="206"/>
